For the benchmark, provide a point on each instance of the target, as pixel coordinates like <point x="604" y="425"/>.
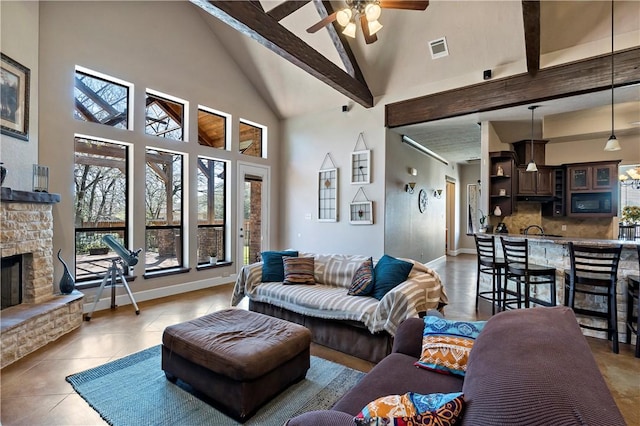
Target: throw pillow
<point x="412" y="409"/>
<point x="362" y="282"/>
<point x="298" y="270"/>
<point x="446" y="344"/>
<point x="272" y="266"/>
<point x="388" y="273"/>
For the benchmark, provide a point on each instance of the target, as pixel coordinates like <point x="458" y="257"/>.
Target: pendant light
<point x="612" y="144"/>
<point x="531" y="167"/>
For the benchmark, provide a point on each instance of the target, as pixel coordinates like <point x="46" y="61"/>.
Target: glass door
<point x="253" y="182"/>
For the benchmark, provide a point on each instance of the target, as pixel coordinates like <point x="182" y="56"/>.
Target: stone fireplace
<point x="42" y="315"/>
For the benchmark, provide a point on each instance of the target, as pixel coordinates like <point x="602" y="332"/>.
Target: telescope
<point x="114" y="274"/>
<point x="128" y="256"/>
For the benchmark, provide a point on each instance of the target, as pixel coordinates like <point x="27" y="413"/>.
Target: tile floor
<point x="34" y="390"/>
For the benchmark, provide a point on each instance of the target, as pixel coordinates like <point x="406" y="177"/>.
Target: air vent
<point x="438" y="48"/>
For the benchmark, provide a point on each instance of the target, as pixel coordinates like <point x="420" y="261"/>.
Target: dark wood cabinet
<point x="592" y="189"/>
<point x="556" y="207"/>
<point x="502" y="185"/>
<point x="592" y="176"/>
<point x="535" y="183"/>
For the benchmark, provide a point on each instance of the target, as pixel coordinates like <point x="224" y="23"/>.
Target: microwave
<point x="591" y="202"/>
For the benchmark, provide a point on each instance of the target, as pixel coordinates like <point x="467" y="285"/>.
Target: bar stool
<point x="594" y="271"/>
<point x="633" y="288"/>
<point x="516" y="256"/>
<point x="489" y="264"/>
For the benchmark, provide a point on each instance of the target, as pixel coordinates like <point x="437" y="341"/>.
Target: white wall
<point x="306" y="141"/>
<point x="165" y="46"/>
<point x="19" y="41"/>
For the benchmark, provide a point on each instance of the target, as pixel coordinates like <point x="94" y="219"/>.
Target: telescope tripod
<point x="113" y="273"/>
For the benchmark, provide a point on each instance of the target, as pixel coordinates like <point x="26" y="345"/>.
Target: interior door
<point x="450" y="238"/>
<point x="253" y="212"/>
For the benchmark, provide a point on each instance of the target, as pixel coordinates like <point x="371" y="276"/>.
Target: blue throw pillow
<point x="388" y="273"/>
<point x="273" y="267"/>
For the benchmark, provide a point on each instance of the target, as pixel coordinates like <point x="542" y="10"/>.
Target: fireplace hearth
<point x="35" y="312"/>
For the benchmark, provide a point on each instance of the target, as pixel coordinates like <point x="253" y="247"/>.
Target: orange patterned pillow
<point x="446" y="344"/>
<point x="412" y="409"/>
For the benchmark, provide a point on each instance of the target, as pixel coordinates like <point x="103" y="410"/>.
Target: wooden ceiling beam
<point x="340" y="42"/>
<point x="253" y="22"/>
<point x="531" y="19"/>
<point x="286" y="8"/>
<point x="561" y="81"/>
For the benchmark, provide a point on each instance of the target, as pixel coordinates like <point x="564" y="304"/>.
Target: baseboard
<point x="157" y="293"/>
<point x="462" y="251"/>
<point x="436" y="261"/>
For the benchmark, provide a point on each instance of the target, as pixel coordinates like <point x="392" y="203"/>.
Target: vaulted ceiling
<point x="299" y="73"/>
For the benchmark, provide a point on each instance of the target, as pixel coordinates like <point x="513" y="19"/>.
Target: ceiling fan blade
<point x="368" y="38"/>
<point x="404" y="4"/>
<point x="321" y="24"/>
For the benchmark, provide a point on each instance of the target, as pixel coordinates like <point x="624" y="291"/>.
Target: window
<point x="100" y="100"/>
<point x="163" y="206"/>
<point x="101" y="188"/>
<point x="164" y="117"/>
<point x="251" y="138"/>
<point x="629" y="186"/>
<point x="212" y="128"/>
<point x="212" y="178"/>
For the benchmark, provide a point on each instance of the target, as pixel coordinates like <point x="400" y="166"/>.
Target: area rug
<point x="134" y="391"/>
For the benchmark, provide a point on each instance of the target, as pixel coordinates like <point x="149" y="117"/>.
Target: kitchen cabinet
<point x="592" y="189"/>
<point x="535" y="183"/>
<point x="556" y="207"/>
<point x="502" y="181"/>
<point x="598" y="176"/>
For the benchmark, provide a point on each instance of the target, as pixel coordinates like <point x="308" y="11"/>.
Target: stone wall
<point x="29" y="327"/>
<point x="27" y="228"/>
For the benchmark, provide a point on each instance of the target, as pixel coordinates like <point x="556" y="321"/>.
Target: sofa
<point x="361" y="326"/>
<point x="526" y="367"/>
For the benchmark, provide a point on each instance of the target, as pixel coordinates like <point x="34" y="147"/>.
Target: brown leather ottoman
<point x="240" y="359"/>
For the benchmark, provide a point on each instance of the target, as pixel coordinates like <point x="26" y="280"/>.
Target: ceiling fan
<point x="368" y="12"/>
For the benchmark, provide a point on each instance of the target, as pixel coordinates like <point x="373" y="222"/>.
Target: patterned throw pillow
<point x="298" y="270"/>
<point x="413" y="409"/>
<point x="362" y="282"/>
<point x="272" y="265"/>
<point x="446" y="344"/>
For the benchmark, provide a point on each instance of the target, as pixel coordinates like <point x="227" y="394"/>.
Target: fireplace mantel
<point x="9" y="195"/>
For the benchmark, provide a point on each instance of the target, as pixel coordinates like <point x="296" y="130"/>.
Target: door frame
<point x="451" y="224"/>
<point x="245" y="168"/>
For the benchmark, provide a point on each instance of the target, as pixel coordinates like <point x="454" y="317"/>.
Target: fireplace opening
<point x="11" y="281"/>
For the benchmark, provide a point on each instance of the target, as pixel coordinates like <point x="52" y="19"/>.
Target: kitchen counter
<point x="553" y="251"/>
<point x="557" y="239"/>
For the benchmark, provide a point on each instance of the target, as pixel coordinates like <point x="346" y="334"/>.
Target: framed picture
<point x="361" y="213"/>
<point x="361" y="167"/>
<point x="328" y="195"/>
<point x="14" y="98"/>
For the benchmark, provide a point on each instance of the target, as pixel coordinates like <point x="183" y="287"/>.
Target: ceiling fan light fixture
<point x="374" y="27"/>
<point x="372" y="11"/>
<point x="612" y="144"/>
<point x="350" y="30"/>
<point x="344" y="16"/>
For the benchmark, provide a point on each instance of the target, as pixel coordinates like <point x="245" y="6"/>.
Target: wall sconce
<point x="410" y="187"/>
<point x="437" y="193"/>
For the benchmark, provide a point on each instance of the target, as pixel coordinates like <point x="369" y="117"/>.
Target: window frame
<point x="102" y="76"/>
<point x="263" y="138"/>
<point x="170" y="98"/>
<point x="225" y="218"/>
<point x="86" y="282"/>
<point x="227" y="126"/>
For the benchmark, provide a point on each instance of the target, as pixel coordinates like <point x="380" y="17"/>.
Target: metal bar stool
<point x="489" y="264"/>
<point x="524" y="273"/>
<point x="633" y="288"/>
<point x="594" y="271"/>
